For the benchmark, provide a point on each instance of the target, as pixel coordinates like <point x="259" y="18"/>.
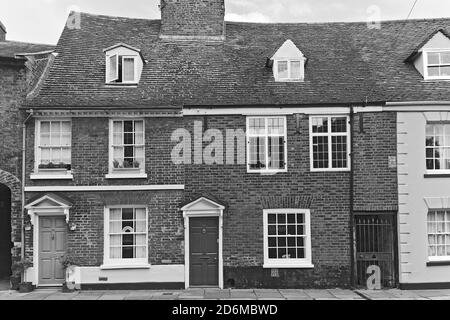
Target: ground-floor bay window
<point x="287" y="238"/>
<point x="126" y="236"/>
<point x="439" y="235"/>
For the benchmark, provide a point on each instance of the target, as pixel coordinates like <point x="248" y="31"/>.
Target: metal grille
<point x="375" y="244"/>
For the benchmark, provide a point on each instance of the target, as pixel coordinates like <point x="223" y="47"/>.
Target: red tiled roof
<point x="347" y="62"/>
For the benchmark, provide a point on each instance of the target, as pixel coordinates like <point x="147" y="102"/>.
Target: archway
<point x="5" y="232"/>
<point x="10" y="221"/>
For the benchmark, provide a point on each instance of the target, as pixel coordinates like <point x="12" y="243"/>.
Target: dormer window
<point x="432" y="57"/>
<point x="288" y="63"/>
<point x="123" y="64"/>
<point x="289" y="70"/>
<point x="122" y="69"/>
<point x="437" y="65"/>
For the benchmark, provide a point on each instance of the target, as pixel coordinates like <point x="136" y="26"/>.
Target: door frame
<point x="202" y="208"/>
<point x="47" y="206"/>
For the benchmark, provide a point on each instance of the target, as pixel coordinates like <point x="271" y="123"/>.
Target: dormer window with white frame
<point x="123" y="64"/>
<point x="432" y="58"/>
<point x="288" y="63"/>
<point x="437" y="64"/>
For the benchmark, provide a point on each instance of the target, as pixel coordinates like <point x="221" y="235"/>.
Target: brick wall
<point x="166" y="237"/>
<point x="245" y="196"/>
<point x="13" y="88"/>
<point x="90" y="153"/>
<point x="192" y="17"/>
<point x="12" y="93"/>
<point x="375" y="182"/>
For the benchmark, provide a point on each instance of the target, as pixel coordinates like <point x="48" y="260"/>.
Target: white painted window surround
<point x="437" y="146"/>
<point x="52" y="149"/>
<point x="288" y="63"/>
<point x="329" y="143"/>
<point x="126" y="149"/>
<point x="123" y="65"/>
<point x="125" y="237"/>
<point x="436" y="64"/>
<point x="287" y="238"/>
<point x="266" y="144"/>
<point x="438" y="226"/>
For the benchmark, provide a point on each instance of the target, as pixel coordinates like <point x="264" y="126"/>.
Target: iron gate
<point x="375" y="245"/>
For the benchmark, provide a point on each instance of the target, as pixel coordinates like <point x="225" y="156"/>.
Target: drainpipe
<point x="352" y="200"/>
<point x="22" y="232"/>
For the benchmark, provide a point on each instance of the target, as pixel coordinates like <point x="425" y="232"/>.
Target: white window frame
<point x="114" y="81"/>
<point x="41" y="174"/>
<point x="426" y="65"/>
<point x="436" y="258"/>
<point x="435" y="171"/>
<point x="138" y="173"/>
<point x="329" y="134"/>
<point x="288" y="263"/>
<point x="289" y="70"/>
<point x="248" y="135"/>
<point x="122" y="263"/>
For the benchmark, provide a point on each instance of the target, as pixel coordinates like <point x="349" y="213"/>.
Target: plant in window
<point x="116" y="164"/>
<point x="136" y="164"/>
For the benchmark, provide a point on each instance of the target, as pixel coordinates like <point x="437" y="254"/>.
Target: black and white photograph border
<point x="225" y="150"/>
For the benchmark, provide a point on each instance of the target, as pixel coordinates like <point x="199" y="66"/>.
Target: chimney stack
<point x="193" y="19"/>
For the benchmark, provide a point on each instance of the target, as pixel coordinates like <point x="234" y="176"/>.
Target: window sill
<point x="267" y="172"/>
<point x="125" y="266"/>
<point x="437" y="263"/>
<point x="40" y="176"/>
<point x="133" y="84"/>
<point x="288" y="266"/>
<point x="126" y="176"/>
<point x="436" y="175"/>
<point x="330" y="170"/>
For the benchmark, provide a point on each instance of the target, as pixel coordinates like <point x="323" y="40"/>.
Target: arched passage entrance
<point x="5" y="232"/>
<point x="10" y="221"/>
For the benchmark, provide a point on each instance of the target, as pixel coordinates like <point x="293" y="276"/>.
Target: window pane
<point x="45" y="127"/>
<point x="433" y="58"/>
<point x="55" y="134"/>
<point x="276" y="152"/>
<point x="295" y="69"/>
<point x="339" y="152"/>
<point x="45" y="155"/>
<point x="257" y="153"/>
<point x="339" y="124"/>
<point x="128" y="69"/>
<point x="320" y="152"/>
<point x="276" y="126"/>
<point x="445" y="71"/>
<point x="257" y="126"/>
<point x="319" y="125"/>
<point x="283" y="69"/>
<point x="445" y="57"/>
<point x="433" y="71"/>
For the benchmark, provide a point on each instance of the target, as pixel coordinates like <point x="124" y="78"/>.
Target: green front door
<point x="52" y="246"/>
<point x="204" y="251"/>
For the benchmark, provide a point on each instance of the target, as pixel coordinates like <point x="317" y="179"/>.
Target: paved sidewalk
<point x="230" y="294"/>
<point x="397" y="294"/>
<point x="192" y="294"/>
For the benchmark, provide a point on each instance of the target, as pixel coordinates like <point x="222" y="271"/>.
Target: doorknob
<point x="53" y="236"/>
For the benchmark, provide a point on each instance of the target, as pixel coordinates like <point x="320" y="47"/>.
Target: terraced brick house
<point x="20" y="69"/>
<point x="190" y="151"/>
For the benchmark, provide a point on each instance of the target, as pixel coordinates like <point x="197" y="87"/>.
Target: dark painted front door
<point x="5" y="232"/>
<point x="52" y="246"/>
<point x="204" y="251"/>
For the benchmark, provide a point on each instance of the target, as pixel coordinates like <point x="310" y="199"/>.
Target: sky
<point x="42" y="21"/>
